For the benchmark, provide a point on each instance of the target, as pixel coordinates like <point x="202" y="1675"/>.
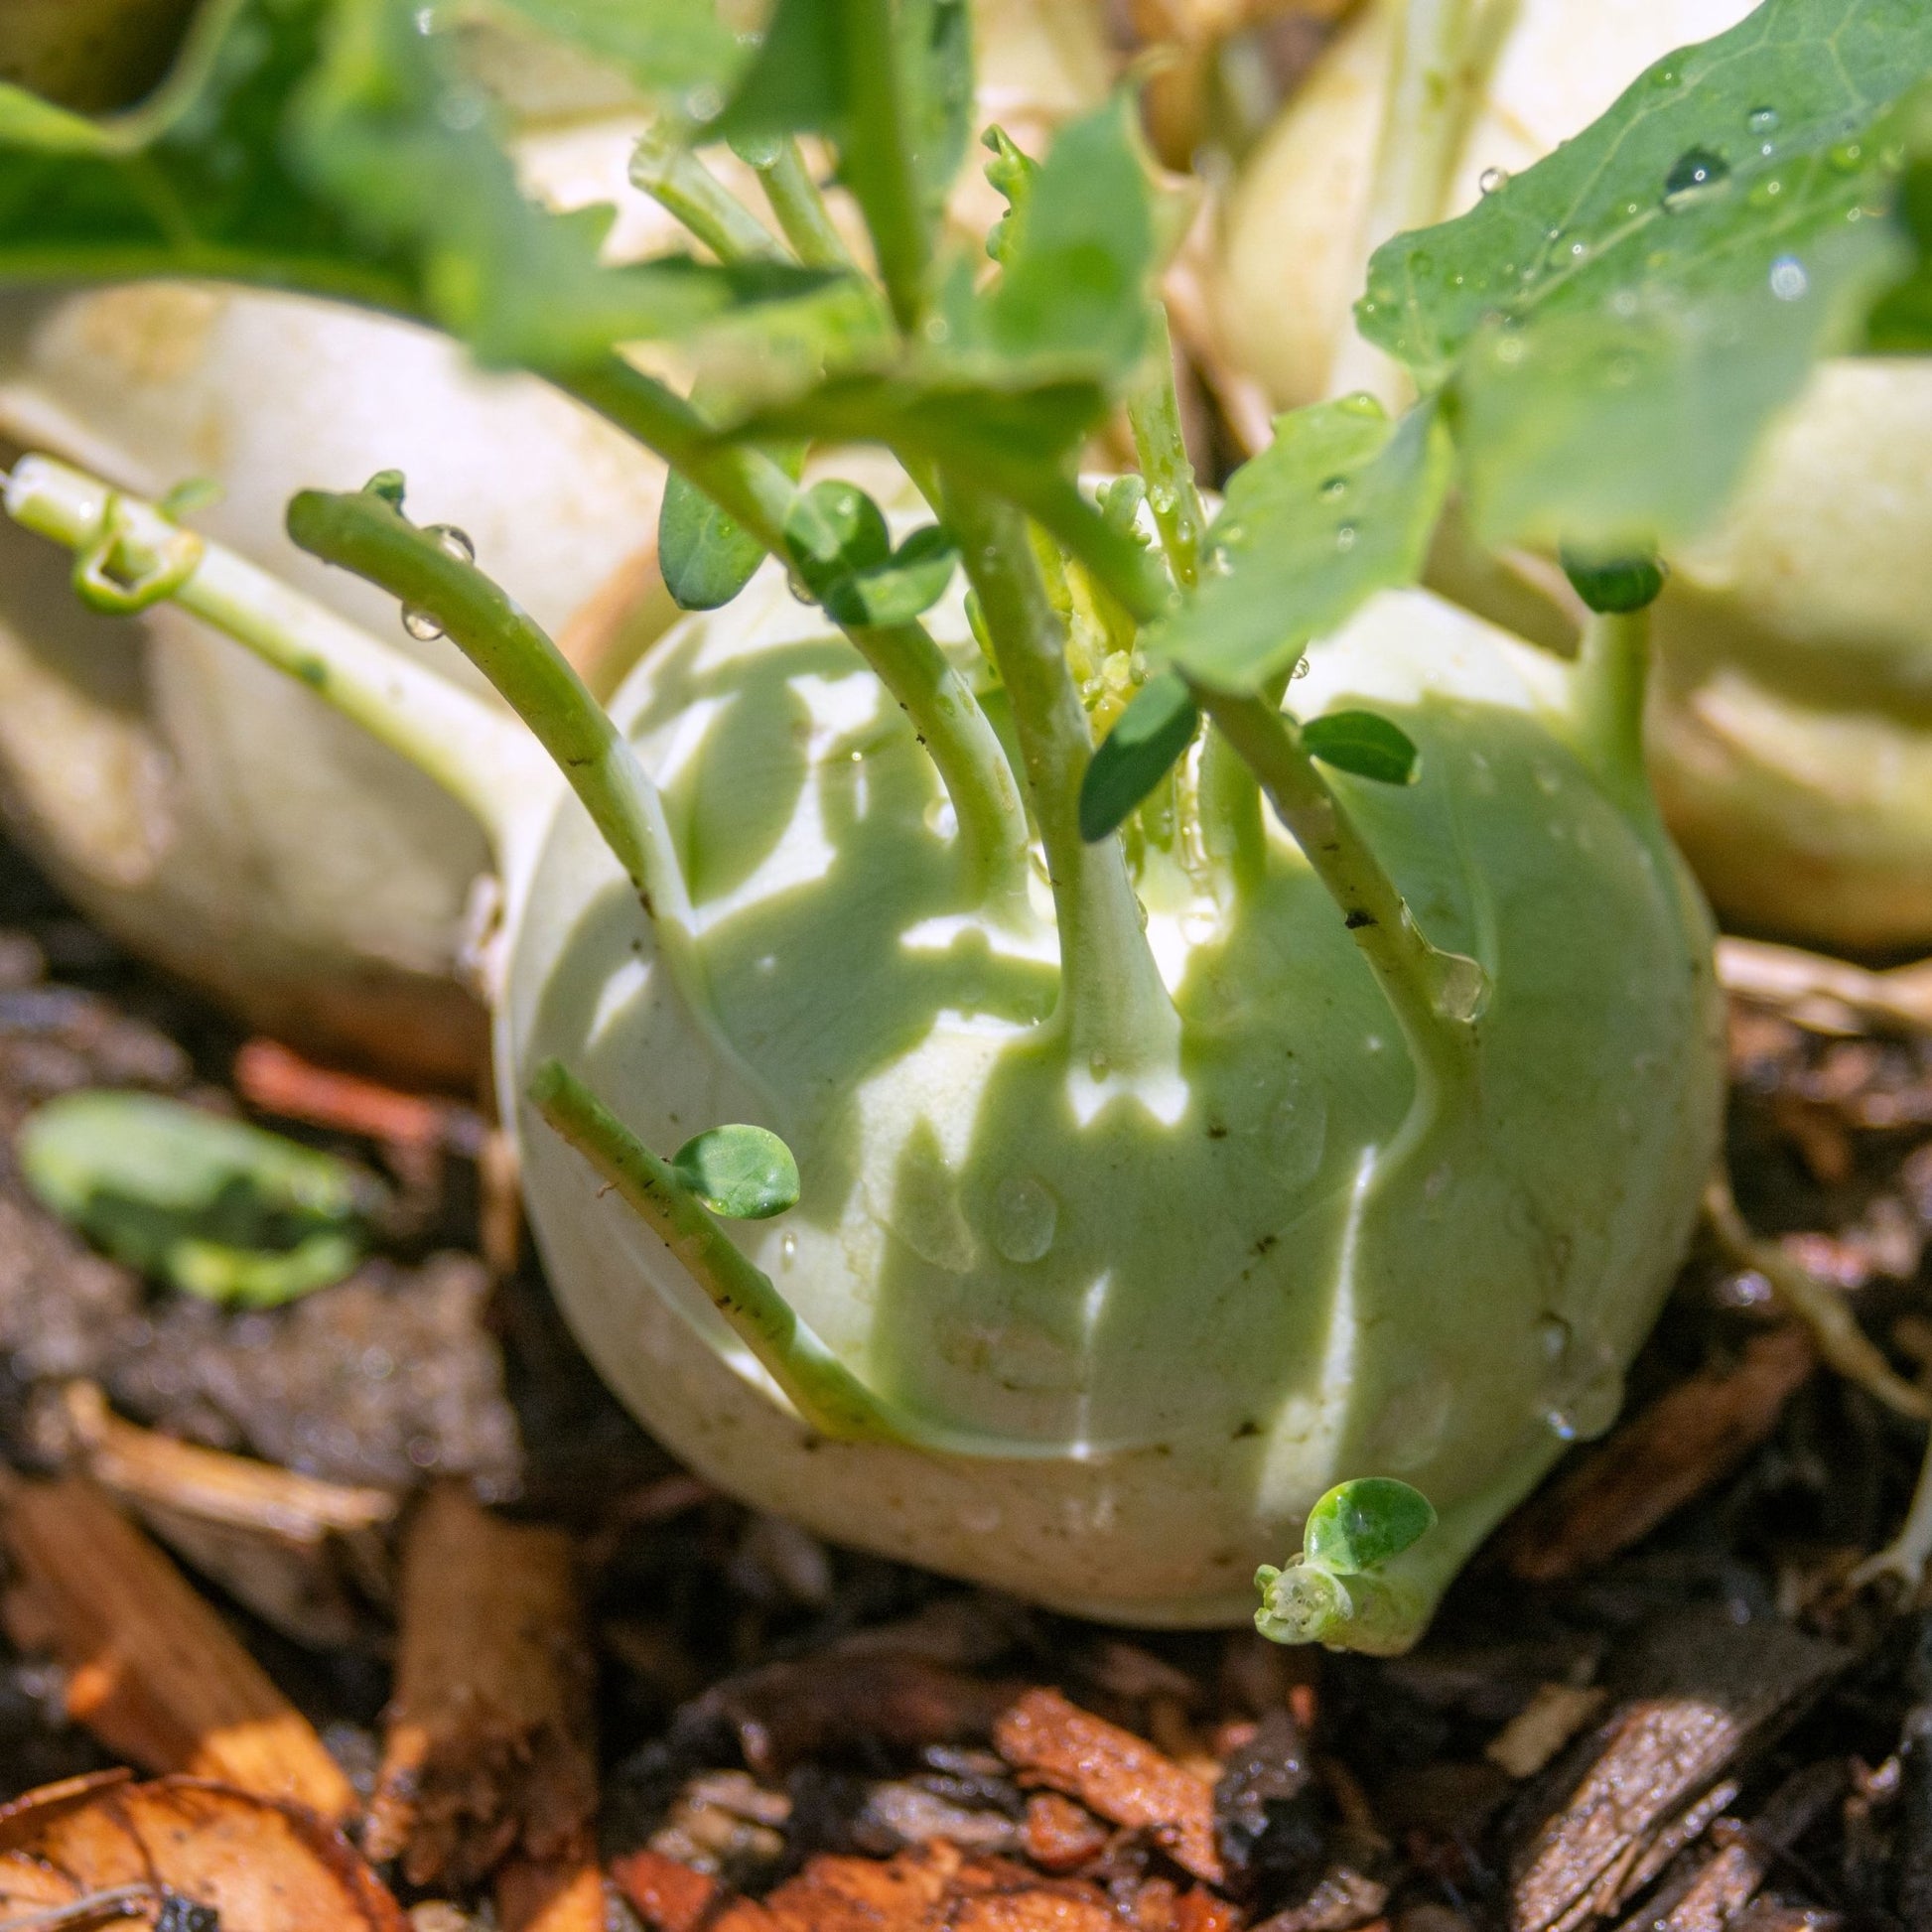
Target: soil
<point x="1657" y="1698"/>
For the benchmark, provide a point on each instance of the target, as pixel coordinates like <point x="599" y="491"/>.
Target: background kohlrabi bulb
<point x="1788" y="727"/>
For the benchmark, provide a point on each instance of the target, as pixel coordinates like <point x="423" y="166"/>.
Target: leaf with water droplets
<point x="1338" y="507"/>
<point x="1359" y="1525"/>
<point x="744" y="1174"/>
<point x="1677" y="268"/>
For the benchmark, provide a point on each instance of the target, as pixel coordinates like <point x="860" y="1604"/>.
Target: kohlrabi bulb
<point x="1788" y="718"/>
<point x="1173" y="1310"/>
<point x="207" y="812"/>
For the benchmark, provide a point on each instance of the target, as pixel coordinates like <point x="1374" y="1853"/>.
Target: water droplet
<point x="1665" y="77"/>
<point x="1766" y="192"/>
<point x="1161" y="498"/>
<point x="1762" y="120"/>
<point x="1589" y="1409"/>
<point x="1846" y="157"/>
<point x="940" y="818"/>
<point x="1335" y="486"/>
<point x="420" y="624"/>
<point x="1493" y="180"/>
<point x="1344" y="537"/>
<point x="1230" y="533"/>
<point x="796" y="586"/>
<point x="1199" y="923"/>
<point x="1553" y="1336"/>
<point x="1789" y="282"/>
<point x="1696" y="168"/>
<point x="704" y="102"/>
<point x="1098" y="1063"/>
<point x="1301" y="668"/>
<point x="1358" y="402"/>
<point x="788" y="1249"/>
<point x="454" y="542"/>
<point x="1298" y="1131"/>
<point x="1461" y="988"/>
<point x="1025" y="1218"/>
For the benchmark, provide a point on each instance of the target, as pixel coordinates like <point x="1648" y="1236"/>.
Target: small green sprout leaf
<point x="1364" y="743"/>
<point x="1358" y="1526"/>
<point x="706" y="556"/>
<point x="1011" y="172"/>
<point x="744" y="1174"/>
<point x="834" y="530"/>
<point x="1613" y="585"/>
<point x="1338" y="507"/>
<point x="906" y="584"/>
<point x="1147" y="737"/>
<point x="213" y="1206"/>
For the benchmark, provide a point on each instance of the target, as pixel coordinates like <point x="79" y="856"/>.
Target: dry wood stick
<point x="153" y="1672"/>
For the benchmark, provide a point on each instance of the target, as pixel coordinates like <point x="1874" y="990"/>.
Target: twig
<point x="488" y="1743"/>
<point x="1841" y="1341"/>
<point x="1829" y="996"/>
<point x="153" y="1672"/>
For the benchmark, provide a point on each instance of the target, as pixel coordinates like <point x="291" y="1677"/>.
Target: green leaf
<point x="664" y="46"/>
<point x="1011" y="172"/>
<point x="1147" y="737"/>
<point x="706" y="556"/>
<point x="1338" y="507"/>
<point x="794" y="83"/>
<point x="1358" y="1526"/>
<point x="936" y="58"/>
<point x="744" y="1174"/>
<point x="1364" y="743"/>
<point x="1649" y="293"/>
<point x="331" y="145"/>
<point x="1609" y="585"/>
<point x="1073" y="284"/>
<point x="1901" y="323"/>
<point x="214" y="1206"/>
<point x="842" y="549"/>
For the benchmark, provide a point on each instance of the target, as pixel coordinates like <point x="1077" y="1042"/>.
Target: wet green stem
<point x="1435" y="995"/>
<point x="1153" y="412"/>
<point x="1611" y="676"/>
<point x="686" y="190"/>
<point x="876" y="152"/>
<point x="800" y="208"/>
<point x="1112" y="1008"/>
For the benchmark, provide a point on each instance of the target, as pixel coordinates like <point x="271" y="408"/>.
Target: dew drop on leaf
<point x="1846" y="157"/>
<point x="420" y="624"/>
<point x="1335" y="486"/>
<point x="1762" y="120"/>
<point x="1024" y="1218"/>
<point x="1694" y="170"/>
<point x="1346" y="537"/>
<point x="1491" y="180"/>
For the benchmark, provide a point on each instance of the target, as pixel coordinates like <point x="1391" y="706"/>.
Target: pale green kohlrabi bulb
<point x="1788" y="718"/>
<point x="1174" y="1310"/>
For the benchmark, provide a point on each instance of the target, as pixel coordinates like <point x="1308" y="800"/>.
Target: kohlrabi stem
<point x="757" y="491"/>
<point x="1432" y="88"/>
<point x="876" y="151"/>
<point x="1112" y="1008"/>
<point x="479" y="758"/>
<point x="1610" y="679"/>
<point x="1154" y="411"/>
<point x="364" y="531"/>
<point x="966" y="749"/>
<point x="825" y="1393"/>
<point x="817" y="1384"/>
<point x="1436" y="996"/>
<point x="800" y="208"/>
<point x="686" y="190"/>
<point x="1232" y="828"/>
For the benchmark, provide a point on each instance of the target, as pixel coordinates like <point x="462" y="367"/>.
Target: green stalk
<point x="1611" y="676"/>
<point x="478" y="757"/>
<point x="1153" y="412"/>
<point x="1431" y="93"/>
<point x="1436" y="996"/>
<point x="686" y="190"/>
<point x="826" y="1393"/>
<point x="365" y="533"/>
<point x="877" y="153"/>
<point x="753" y="489"/>
<point x="800" y="208"/>
<point x="1112" y="1008"/>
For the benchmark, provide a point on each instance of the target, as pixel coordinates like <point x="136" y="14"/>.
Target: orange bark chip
<point x="1110" y="1771"/>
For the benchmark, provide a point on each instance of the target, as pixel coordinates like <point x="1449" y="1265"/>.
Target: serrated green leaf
<point x="1652" y="291"/>
<point x="1147" y="737"/>
<point x="1360" y="1525"/>
<point x="1338" y="507"/>
<point x="330" y="146"/>
<point x="744" y="1174"/>
<point x="1011" y="173"/>
<point x="1364" y="743"/>
<point x="706" y="556"/>
<point x="663" y="46"/>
